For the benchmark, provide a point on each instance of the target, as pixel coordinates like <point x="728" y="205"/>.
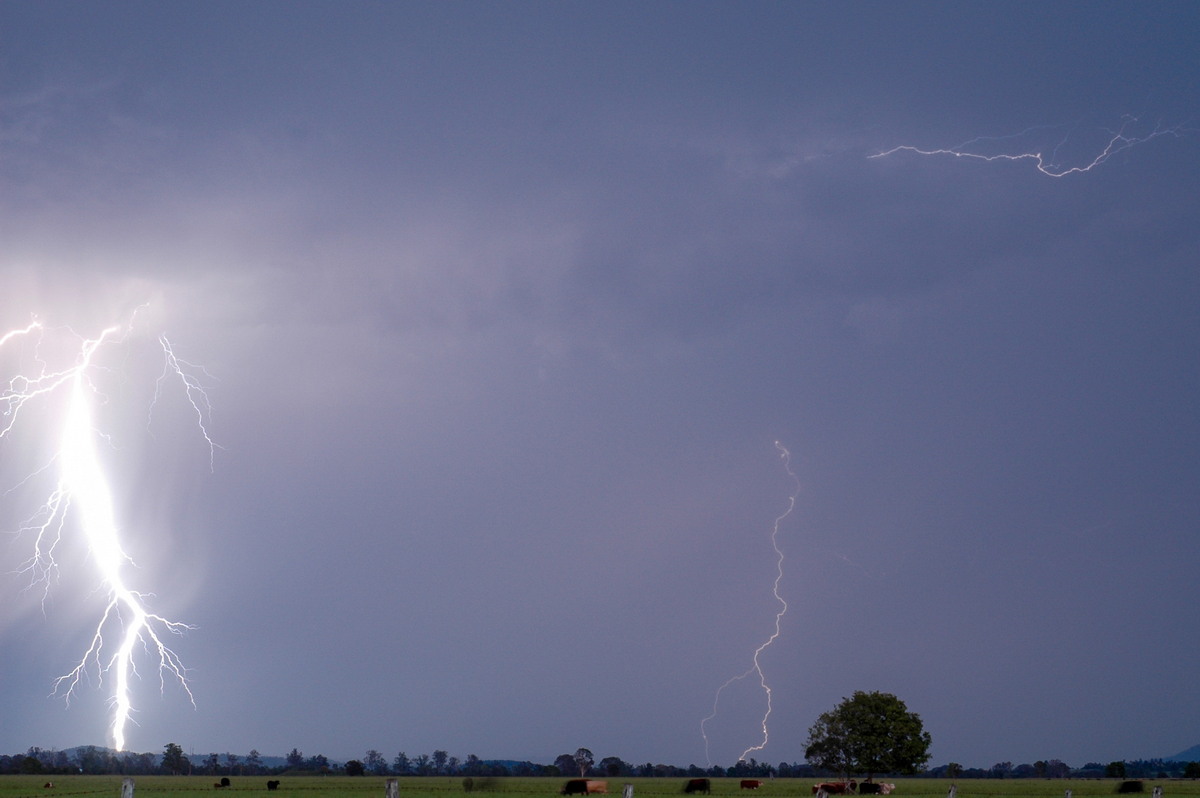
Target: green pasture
<point x="445" y="787"/>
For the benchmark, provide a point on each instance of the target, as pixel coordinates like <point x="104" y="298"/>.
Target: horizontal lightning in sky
<point x="81" y="502"/>
<point x="756" y="666"/>
<point x="1007" y="148"/>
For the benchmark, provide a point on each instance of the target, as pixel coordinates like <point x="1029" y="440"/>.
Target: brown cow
<point x="597" y="786"/>
<point x="751" y="784"/>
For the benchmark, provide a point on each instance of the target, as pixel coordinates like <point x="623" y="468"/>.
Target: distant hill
<point x="1190" y="755"/>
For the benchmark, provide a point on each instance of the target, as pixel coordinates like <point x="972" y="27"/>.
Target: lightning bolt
<point x="984" y="148"/>
<point x="756" y="666"/>
<point x="82" y="500"/>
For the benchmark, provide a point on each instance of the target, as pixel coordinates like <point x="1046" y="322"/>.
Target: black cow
<point x="273" y="785"/>
<point x="697" y="785"/>
<point x="575" y="787"/>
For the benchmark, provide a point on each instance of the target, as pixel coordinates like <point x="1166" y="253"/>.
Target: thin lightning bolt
<point x="83" y="497"/>
<point x="756" y="667"/>
<point x="1118" y="141"/>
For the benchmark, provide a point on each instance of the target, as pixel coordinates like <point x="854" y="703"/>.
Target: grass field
<point x="444" y="787"/>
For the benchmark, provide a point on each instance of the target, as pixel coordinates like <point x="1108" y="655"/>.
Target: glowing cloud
<point x="81" y="502"/>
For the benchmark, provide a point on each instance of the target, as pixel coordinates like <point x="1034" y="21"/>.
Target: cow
<point x="575" y="787"/>
<point x="217" y="785"/>
<point x="48" y="785"/>
<point x="697" y="785"/>
<point x="869" y="788"/>
<point x="751" y="784"/>
<point x="224" y="781"/>
<point x="273" y="784"/>
<point x="836" y="787"/>
<point x="597" y="786"/>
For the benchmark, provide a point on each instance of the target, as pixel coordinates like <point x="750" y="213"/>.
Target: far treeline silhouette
<point x="100" y="761"/>
<point x="866" y="735"/>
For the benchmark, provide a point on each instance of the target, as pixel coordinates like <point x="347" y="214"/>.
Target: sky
<point x="503" y="309"/>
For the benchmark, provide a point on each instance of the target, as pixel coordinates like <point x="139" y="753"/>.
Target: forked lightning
<point x="81" y="503"/>
<point x="756" y="666"/>
<point x="993" y="148"/>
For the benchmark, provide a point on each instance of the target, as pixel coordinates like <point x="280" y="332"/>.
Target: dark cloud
<point x="505" y="309"/>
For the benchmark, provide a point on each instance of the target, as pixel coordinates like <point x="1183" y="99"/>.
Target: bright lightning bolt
<point x="82" y="499"/>
<point x="978" y="148"/>
<point x="756" y="667"/>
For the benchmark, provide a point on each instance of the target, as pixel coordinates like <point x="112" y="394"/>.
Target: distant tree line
<point x="95" y="760"/>
<point x="1057" y="769"/>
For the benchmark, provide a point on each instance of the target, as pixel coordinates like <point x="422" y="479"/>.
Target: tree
<point x="439" y="761"/>
<point x="376" y="763"/>
<point x="1057" y="769"/>
<point x="401" y="765"/>
<point x="584" y="759"/>
<point x="254" y="762"/>
<point x="1114" y="770"/>
<point x="355" y="768"/>
<point x="295" y="759"/>
<point x="868" y="733"/>
<point x="565" y="763"/>
<point x="91" y="760"/>
<point x="173" y="760"/>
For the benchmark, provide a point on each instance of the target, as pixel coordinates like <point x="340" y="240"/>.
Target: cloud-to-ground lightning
<point x="756" y="666"/>
<point x="80" y="502"/>
<point x="1008" y="148"/>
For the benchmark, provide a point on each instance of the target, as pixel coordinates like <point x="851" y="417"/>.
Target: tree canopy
<point x="173" y="760"/>
<point x="868" y="733"/>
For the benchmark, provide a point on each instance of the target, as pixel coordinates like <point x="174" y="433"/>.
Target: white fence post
<point x="393" y="788"/>
<point x="126" y="787"/>
<point x="627" y="791"/>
